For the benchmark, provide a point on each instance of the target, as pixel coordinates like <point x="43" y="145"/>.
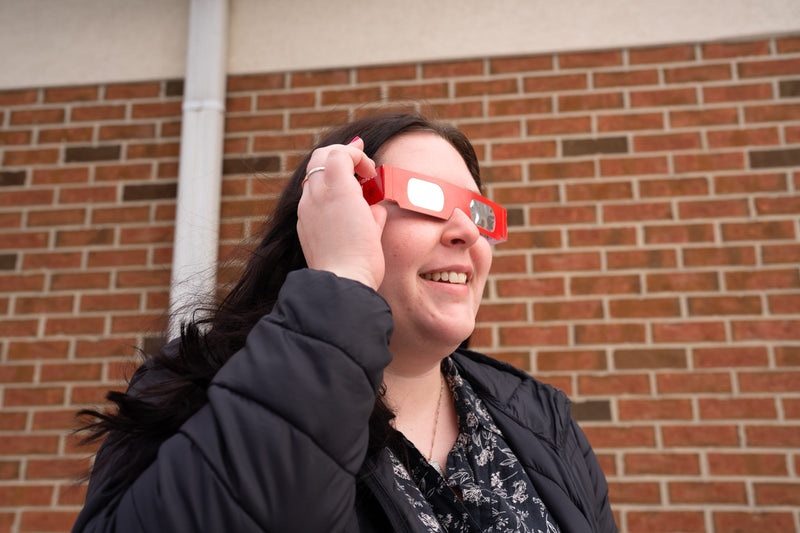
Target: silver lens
<point x="482" y="215"/>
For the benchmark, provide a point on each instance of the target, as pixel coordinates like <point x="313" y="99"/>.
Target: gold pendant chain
<point x="436" y="418"/>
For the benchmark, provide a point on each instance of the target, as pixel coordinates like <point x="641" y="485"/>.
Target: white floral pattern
<point x="495" y="492"/>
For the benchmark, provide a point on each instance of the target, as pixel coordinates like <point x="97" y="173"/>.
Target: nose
<point x="459" y="230"/>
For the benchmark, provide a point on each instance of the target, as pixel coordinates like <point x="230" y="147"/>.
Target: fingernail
<point x="354" y="139"/>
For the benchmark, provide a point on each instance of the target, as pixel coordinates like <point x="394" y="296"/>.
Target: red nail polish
<point x="354" y="139"/>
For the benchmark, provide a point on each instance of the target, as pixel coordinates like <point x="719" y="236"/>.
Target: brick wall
<point x="652" y="270"/>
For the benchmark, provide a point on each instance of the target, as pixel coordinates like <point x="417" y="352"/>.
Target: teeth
<point x="450" y="277"/>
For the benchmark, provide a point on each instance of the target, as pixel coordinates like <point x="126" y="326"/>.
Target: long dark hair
<point x="172" y="386"/>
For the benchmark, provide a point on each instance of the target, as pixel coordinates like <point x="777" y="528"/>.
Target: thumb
<point x="379" y="213"/>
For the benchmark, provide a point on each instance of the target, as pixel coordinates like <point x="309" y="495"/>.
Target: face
<point x="431" y="314"/>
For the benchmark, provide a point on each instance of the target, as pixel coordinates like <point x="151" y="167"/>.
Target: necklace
<point x="436" y="417"/>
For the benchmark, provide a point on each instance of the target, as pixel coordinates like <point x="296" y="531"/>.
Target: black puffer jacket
<point x="281" y="444"/>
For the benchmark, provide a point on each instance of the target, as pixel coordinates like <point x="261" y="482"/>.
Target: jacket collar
<point x="510" y="390"/>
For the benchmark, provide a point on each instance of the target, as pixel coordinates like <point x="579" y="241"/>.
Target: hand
<point x="338" y="231"/>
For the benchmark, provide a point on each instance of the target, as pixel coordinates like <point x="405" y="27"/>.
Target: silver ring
<point x="308" y="174"/>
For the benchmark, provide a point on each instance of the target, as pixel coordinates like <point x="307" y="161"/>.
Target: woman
<point x="328" y="392"/>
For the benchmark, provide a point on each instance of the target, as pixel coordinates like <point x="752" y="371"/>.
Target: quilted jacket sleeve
<point x="279" y="443"/>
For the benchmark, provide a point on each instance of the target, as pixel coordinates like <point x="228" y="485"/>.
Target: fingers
<point x="340" y="163"/>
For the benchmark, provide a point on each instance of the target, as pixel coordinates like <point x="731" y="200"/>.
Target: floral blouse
<point x="485" y="488"/>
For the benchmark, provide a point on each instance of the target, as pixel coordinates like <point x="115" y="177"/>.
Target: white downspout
<point x="194" y="259"/>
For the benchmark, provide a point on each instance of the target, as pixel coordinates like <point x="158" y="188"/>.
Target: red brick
<point x="698" y="73"/>
<point x="50" y="520"/>
<point x="15" y="374"/>
<point x="689" y="332"/>
<point x="156" y="110"/>
<point x="18" y="97"/>
<point x="737" y="408"/>
<point x="772" y="112"/>
<point x="44" y="156"/>
<point x="599" y="191"/>
<point x="75" y="326"/>
<point x="724" y="305"/>
<point x="430" y="90"/>
<point x="708" y="492"/>
<point x="670" y="464"/>
<point x="525" y="194"/>
<point x="37" y="116"/>
<point x="634" y="492"/>
<point x="765" y="68"/>
<point x="386" y="73"/>
<point x="520" y="106"/>
<point x="630" y="122"/>
<point x="730" y="357"/>
<point x="616" y="437"/>
<point x="549" y="361"/>
<point x="589" y="59"/>
<point x="530" y="287"/>
<point x="719" y="50"/>
<point x="568" y="261"/>
<point x="70" y="372"/>
<point x="636" y="259"/>
<point x="609" y="333"/>
<point x="704" y="436"/>
<point x="644" y="307"/>
<point x="667" y="142"/>
<point x="693" y="233"/>
<point x="554" y="83"/>
<point x="777" y="494"/>
<point x="519" y="150"/>
<point x="350" y="96"/>
<point x="761" y="521"/>
<point x="737" y="93"/>
<point x="783" y="253"/>
<point x="490" y="87"/>
<point x="550" y="126"/>
<point x="61" y="175"/>
<point x="558" y="171"/>
<point x="126" y="91"/>
<point x="453" y="69"/>
<point x="253" y="122"/>
<point x="705" y="117"/>
<point x="88" y="194"/>
<point x="665" y="521"/>
<point x="638" y="211"/>
<point x="97" y="112"/>
<point x="784" y="304"/>
<point x="590" y="101"/>
<point x="533" y="335"/>
<point x="33" y="396"/>
<point x="567" y="310"/>
<point x="698" y="383"/>
<point x="762" y="279"/>
<point x="505" y="65"/>
<point x="773" y="436"/>
<point x="700" y="281"/>
<point x="624" y="284"/>
<point x="43" y="304"/>
<point x="502" y="313"/>
<point x="40" y="349"/>
<point x="26" y="495"/>
<point x="29" y="444"/>
<point x="66" y="135"/>
<point x="633" y="166"/>
<point x="654" y="409"/>
<point x="256" y="82"/>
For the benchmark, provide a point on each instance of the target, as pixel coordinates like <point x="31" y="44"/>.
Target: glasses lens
<point x="482" y="215"/>
<point x="425" y="194"/>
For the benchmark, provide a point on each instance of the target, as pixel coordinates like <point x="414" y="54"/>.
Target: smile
<point x="458" y="278"/>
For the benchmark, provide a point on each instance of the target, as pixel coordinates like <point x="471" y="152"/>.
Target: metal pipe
<point x="194" y="260"/>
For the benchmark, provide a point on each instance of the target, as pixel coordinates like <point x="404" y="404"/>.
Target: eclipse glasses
<point x="435" y="197"/>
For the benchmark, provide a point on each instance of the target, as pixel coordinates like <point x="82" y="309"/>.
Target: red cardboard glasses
<point x="435" y="197"/>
